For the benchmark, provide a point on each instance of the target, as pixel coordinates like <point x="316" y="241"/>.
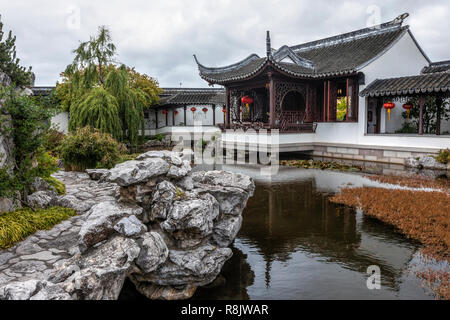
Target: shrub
<point x="47" y="164"/>
<point x="408" y="128"/>
<point x="443" y="156"/>
<point x="89" y="148"/>
<point x="16" y="226"/>
<point x="52" y="141"/>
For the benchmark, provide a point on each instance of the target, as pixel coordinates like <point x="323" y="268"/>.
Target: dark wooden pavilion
<point x="294" y="87"/>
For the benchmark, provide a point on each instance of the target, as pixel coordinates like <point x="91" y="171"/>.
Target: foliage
<point x="9" y="63"/>
<point x="341" y="109"/>
<point x="99" y="110"/>
<point x="27" y="125"/>
<point x="101" y="94"/>
<point x="443" y="156"/>
<point x="429" y="114"/>
<point x="16" y="226"/>
<point x="322" y="165"/>
<point x="90" y="148"/>
<point x="58" y="185"/>
<point x="408" y="127"/>
<point x="47" y="164"/>
<point x="159" y="137"/>
<point x="52" y="141"/>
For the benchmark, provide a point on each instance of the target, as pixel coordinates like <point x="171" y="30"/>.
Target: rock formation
<point x="168" y="231"/>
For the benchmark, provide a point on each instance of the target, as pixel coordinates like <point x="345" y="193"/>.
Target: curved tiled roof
<point x="441" y="66"/>
<point x="425" y="83"/>
<point x="339" y="55"/>
<point x="180" y="96"/>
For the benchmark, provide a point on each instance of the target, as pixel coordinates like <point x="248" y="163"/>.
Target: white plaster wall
<point x="402" y="59"/>
<point x="61" y="122"/>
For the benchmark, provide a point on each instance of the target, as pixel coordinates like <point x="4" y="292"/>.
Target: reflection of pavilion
<point x="283" y="219"/>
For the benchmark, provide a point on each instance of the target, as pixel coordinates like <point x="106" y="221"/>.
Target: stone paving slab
<point x="37" y="255"/>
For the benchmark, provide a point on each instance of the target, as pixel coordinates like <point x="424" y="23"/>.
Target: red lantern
<point x="224" y="110"/>
<point x="389" y="106"/>
<point x="165" y="112"/>
<point x="408" y="106"/>
<point x="205" y="110"/>
<point x="176" y="112"/>
<point x="247" y="100"/>
<point x="193" y="109"/>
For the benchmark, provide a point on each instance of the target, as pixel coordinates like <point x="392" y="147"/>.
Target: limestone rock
<point x="197" y="267"/>
<point x="170" y="293"/>
<point x="194" y="217"/>
<point x="42" y="199"/>
<point x="40" y="184"/>
<point x="98" y="174"/>
<point x="226" y="230"/>
<point x="18" y="290"/>
<point x="133" y="172"/>
<point x="154" y="252"/>
<point x="225" y="179"/>
<point x="70" y="201"/>
<point x="130" y="227"/>
<point x="176" y="172"/>
<point x="431" y="163"/>
<point x="100" y="273"/>
<point x="163" y="197"/>
<point x="412" y="162"/>
<point x="100" y="223"/>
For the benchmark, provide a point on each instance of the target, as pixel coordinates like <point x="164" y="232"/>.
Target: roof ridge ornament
<point x="400" y="18"/>
<point x="268" y="45"/>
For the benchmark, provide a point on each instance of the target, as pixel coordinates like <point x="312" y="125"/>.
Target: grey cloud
<point x="160" y="37"/>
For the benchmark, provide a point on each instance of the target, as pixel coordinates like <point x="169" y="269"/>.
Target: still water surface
<point x="295" y="244"/>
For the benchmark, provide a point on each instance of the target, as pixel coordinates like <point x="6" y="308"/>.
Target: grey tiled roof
<point x="425" y="83"/>
<point x="342" y="54"/>
<point x="441" y="66"/>
<point x="179" y="96"/>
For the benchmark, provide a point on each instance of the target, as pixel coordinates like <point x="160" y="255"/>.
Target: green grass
<point x="58" y="185"/>
<point x="16" y="226"/>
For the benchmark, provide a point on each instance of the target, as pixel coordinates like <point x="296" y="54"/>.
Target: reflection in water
<point x="300" y="246"/>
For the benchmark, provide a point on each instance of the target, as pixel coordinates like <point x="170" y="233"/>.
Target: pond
<point x="295" y="244"/>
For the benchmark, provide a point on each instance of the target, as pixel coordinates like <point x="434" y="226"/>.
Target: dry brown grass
<point x="419" y="215"/>
<point x="413" y="182"/>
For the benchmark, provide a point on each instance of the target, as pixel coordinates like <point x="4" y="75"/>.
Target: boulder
<point x="226" y="230"/>
<point x="40" y="184"/>
<point x="194" y="217"/>
<point x="130" y="227"/>
<point x="43" y="199"/>
<point x="98" y="174"/>
<point x="134" y="172"/>
<point x="154" y="292"/>
<point x="224" y="179"/>
<point x="412" y="162"/>
<point x="101" y="220"/>
<point x="154" y="252"/>
<point x="196" y="267"/>
<point x="165" y="193"/>
<point x="431" y="163"/>
<point x="178" y="172"/>
<point x="100" y="273"/>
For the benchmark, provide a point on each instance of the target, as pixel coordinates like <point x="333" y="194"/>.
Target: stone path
<point x="35" y="257"/>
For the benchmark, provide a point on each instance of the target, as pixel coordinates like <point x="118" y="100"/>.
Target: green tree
<point x="429" y="115"/>
<point x="125" y="93"/>
<point x="26" y="121"/>
<point x="9" y="63"/>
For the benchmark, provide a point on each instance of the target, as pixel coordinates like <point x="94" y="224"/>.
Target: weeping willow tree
<point x="98" y="109"/>
<point x="99" y="93"/>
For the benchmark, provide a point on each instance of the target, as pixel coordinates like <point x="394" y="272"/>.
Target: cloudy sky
<point x="160" y="37"/>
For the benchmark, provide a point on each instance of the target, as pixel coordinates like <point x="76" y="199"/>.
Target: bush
<point x="47" y="164"/>
<point x="52" y="142"/>
<point x="16" y="226"/>
<point x="408" y="128"/>
<point x="89" y="148"/>
<point x="443" y="156"/>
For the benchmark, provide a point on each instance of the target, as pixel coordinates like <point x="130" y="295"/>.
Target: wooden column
<point x="227" y="108"/>
<point x="156" y="118"/>
<point x="325" y="90"/>
<point x="167" y="119"/>
<point x="421" y="104"/>
<point x="214" y="114"/>
<point x="185" y="118"/>
<point x="173" y="115"/>
<point x="272" y="101"/>
<point x="348" y="94"/>
<point x="438" y="115"/>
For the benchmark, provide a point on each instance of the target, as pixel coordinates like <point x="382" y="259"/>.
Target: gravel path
<point x="35" y="257"/>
